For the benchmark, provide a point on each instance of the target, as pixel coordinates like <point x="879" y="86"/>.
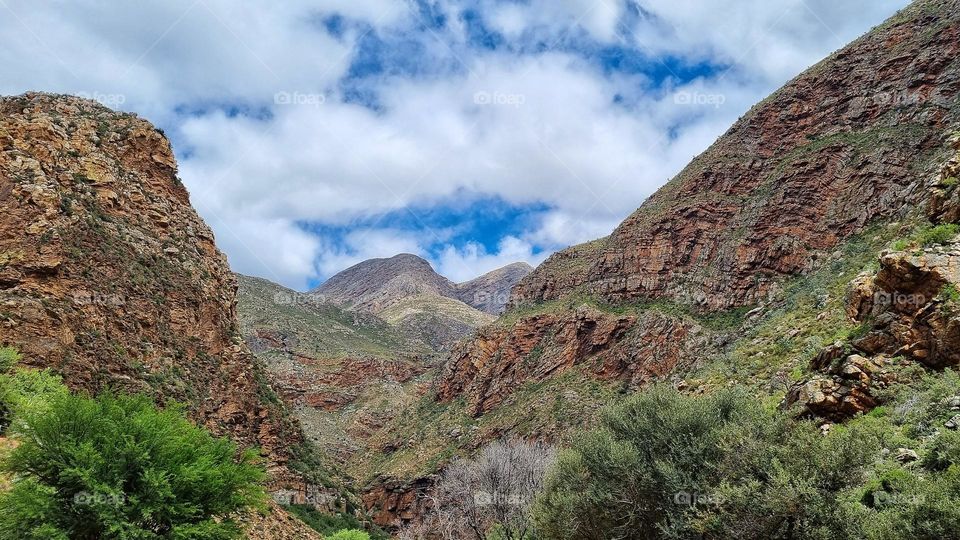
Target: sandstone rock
<point x="145" y="322"/>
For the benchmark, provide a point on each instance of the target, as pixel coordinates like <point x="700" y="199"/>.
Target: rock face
<point x="841" y="145"/>
<point x="110" y="278"/>
<point x="850" y="142"/>
<point x="491" y="291"/>
<point x="629" y="348"/>
<point x="910" y="313"/>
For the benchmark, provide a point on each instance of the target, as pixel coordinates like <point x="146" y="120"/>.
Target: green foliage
<point x="329" y="524"/>
<point x="938" y="234"/>
<point x="9" y="357"/>
<point x="950" y="181"/>
<point x="27" y="391"/>
<point x="349" y="534"/>
<point x="664" y="465"/>
<point x="949" y="293"/>
<point x="116" y="467"/>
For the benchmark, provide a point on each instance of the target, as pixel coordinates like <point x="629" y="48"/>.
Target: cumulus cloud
<point x="272" y="140"/>
<point x="467" y="262"/>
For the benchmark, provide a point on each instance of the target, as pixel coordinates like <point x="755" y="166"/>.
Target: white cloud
<point x="598" y="18"/>
<point x="540" y="128"/>
<point x="760" y="38"/>
<point x="472" y="260"/>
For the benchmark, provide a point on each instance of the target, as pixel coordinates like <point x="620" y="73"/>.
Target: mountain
<point x="778" y="259"/>
<point x="491" y="291"/>
<point x="111" y="279"/>
<point x="426" y="307"/>
<point x="377" y="284"/>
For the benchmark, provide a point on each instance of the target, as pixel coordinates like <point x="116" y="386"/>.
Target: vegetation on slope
<point x="115" y="466"/>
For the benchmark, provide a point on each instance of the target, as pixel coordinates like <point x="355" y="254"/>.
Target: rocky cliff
<point x="110" y="278"/>
<point x="850" y="143"/>
<point x="838" y="147"/>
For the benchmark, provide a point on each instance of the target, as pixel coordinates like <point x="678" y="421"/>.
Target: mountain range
<point x="810" y="256"/>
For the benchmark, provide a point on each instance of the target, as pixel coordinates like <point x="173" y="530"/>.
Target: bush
<point x="328" y="524"/>
<point x="665" y="465"/>
<point x="9" y="357"/>
<point x="116" y="467"/>
<point x="350" y="534"/>
<point x="26" y="391"/>
<point x="939" y="234"/>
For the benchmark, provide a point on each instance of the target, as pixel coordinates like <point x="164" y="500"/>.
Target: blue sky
<point x="315" y="134"/>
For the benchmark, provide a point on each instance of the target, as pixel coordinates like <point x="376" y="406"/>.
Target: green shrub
<point x="939" y="234"/>
<point x="328" y="524"/>
<point x="9" y="357"/>
<point x="665" y="465"/>
<point x="349" y="534"/>
<point x="949" y="293"/>
<point x="950" y="181"/>
<point x="116" y="467"/>
<point x="27" y="391"/>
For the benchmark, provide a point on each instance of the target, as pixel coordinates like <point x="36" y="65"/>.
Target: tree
<point x="491" y="495"/>
<point x="115" y="467"/>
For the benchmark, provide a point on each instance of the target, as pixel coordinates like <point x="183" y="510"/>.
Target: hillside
<point x="736" y="271"/>
<point x="111" y="279"/>
<point x="491" y="291"/>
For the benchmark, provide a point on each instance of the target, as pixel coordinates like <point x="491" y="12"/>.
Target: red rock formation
<point x="110" y="278"/>
<point x="499" y="359"/>
<point x="843" y="144"/>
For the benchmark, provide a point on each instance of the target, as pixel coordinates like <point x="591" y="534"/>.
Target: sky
<point x="313" y="135"/>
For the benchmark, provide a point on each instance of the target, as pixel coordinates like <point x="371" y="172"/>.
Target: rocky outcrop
<point x="634" y="349"/>
<point x="394" y="503"/>
<point x="491" y="292"/>
<point x="910" y="312"/>
<point x="847" y="387"/>
<point x="841" y="145"/>
<point x="111" y="279"/>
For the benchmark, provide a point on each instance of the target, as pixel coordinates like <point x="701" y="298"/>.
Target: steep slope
<point x="276" y="318"/>
<point x="491" y="291"/>
<point x="811" y="165"/>
<point x="735" y="271"/>
<point x="110" y="278"/>
<point x="850" y="142"/>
